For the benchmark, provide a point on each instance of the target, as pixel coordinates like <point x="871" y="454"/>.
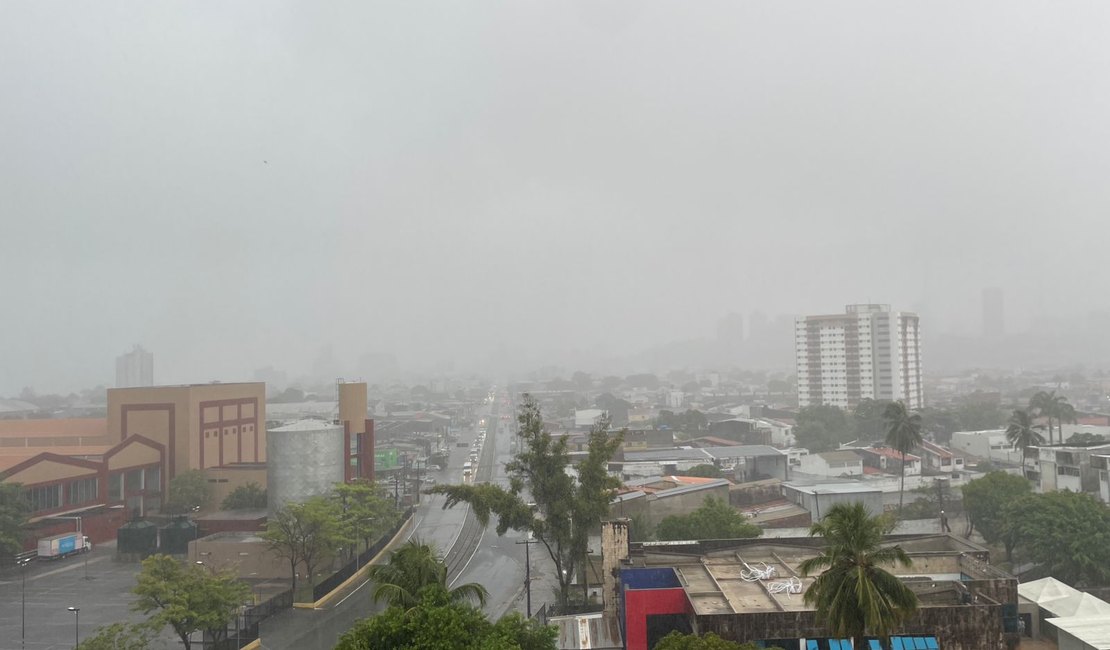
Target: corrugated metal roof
<point x="1094" y="631"/>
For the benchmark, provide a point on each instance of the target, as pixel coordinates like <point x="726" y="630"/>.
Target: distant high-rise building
<point x="993" y="314"/>
<point x="135" y="368"/>
<point x="868" y="352"/>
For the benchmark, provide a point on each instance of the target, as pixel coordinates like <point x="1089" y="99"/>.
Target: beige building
<point x="200" y="425"/>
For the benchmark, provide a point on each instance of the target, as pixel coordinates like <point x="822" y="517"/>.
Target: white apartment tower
<point x="867" y="352"/>
<point x="135" y="368"/>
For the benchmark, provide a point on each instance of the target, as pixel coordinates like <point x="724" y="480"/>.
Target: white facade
<point x="1101" y="464"/>
<point x="832" y="464"/>
<point x="868" y="352"/>
<point x="990" y="444"/>
<point x="587" y="418"/>
<point x="135" y="368"/>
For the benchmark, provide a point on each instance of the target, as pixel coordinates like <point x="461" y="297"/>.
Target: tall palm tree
<point x="903" y="433"/>
<point x="414" y="568"/>
<point x="854" y="594"/>
<point x="1051" y="405"/>
<point x="1023" y="433"/>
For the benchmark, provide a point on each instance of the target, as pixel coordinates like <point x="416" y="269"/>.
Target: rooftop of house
<point x="766" y="576"/>
<point x="842" y="456"/>
<point x="889" y="453"/>
<point x="708" y="454"/>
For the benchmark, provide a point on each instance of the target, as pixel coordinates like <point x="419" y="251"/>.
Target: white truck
<point x="59" y="546"/>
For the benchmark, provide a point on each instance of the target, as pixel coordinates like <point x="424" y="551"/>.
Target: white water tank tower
<point x="303" y="459"/>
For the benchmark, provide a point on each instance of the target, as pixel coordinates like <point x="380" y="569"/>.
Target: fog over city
<point x="495" y="186"/>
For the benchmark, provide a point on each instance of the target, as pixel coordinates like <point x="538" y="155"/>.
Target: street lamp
<point x="23" y="597"/>
<point x="76" y="625"/>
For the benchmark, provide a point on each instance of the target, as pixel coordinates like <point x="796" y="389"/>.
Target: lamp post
<point x="23" y="597"/>
<point x="76" y="625"/>
<point x="528" y="570"/>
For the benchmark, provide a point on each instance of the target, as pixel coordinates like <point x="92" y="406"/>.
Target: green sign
<point x="385" y="459"/>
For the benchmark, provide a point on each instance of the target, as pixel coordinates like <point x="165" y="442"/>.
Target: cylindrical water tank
<point x="303" y="459"/>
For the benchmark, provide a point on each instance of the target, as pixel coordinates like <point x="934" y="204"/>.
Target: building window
<point x="133" y="481"/>
<point x="153" y="478"/>
<point x="48" y="497"/>
<point x="82" y="491"/>
<point x="115" y="486"/>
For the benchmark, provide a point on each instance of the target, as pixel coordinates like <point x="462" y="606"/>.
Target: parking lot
<point x="103" y="596"/>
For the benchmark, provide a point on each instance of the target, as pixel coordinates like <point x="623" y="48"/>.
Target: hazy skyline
<point x="239" y="185"/>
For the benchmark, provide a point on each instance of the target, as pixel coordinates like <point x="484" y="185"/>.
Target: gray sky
<point x="237" y="185"/>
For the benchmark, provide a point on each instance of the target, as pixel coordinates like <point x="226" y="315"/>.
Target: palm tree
<point x="854" y="594"/>
<point x="1051" y="406"/>
<point x="1023" y="433"/>
<point x="414" y="568"/>
<point x="903" y="434"/>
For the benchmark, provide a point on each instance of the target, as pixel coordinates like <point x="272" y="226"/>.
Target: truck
<point x="59" y="546"/>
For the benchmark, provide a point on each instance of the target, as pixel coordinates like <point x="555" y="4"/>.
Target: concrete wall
<point x="247" y="559"/>
<point x="224" y="480"/>
<point x="818" y="504"/>
<point x="661" y="505"/>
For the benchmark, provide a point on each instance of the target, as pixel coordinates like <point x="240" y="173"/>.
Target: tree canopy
<point x="1066" y="533"/>
<point x="249" y="496"/>
<point x="714" y="519"/>
<point x="306" y="534"/>
<point x="120" y="636"/>
<point x="365" y="510"/>
<point x="14" y="511"/>
<point x="439" y="623"/>
<point x="903" y="432"/>
<point x="853" y="593"/>
<point x="188" y="598"/>
<point x="566" y="510"/>
<point x="705" y="470"/>
<point x="413" y="569"/>
<point x="1022" y="432"/>
<point x="986" y="500"/>
<point x="188" y="491"/>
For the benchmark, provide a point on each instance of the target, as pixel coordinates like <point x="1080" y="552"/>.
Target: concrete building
<point x="832" y="464"/>
<point x="1101" y="464"/>
<point x="587" y="418"/>
<point x="939" y="459"/>
<point x="752" y="591"/>
<point x="890" y="460"/>
<point x="656" y="498"/>
<point x="990" y="445"/>
<point x="135" y="368"/>
<point x="1057" y="611"/>
<point x="869" y="352"/>
<point x="1064" y="467"/>
<point x="817" y="496"/>
<point x="741" y="462"/>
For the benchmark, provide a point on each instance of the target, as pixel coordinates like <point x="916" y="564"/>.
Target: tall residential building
<point x="867" y="352"/>
<point x="993" y="314"/>
<point x="135" y="368"/>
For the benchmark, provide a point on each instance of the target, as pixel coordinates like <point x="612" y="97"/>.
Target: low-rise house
<point x="938" y="458"/>
<point x="990" y="445"/>
<point x="818" y="496"/>
<point x="1063" y="467"/>
<point x="658" y="497"/>
<point x="845" y="463"/>
<point x="890" y="460"/>
<point x="1101" y="464"/>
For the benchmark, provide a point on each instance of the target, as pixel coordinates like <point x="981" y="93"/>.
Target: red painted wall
<point x="641" y="603"/>
<point x="99" y="527"/>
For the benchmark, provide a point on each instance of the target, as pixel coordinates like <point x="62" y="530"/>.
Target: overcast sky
<point x="238" y="184"/>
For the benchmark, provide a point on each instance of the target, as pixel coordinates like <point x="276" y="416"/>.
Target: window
<point x="115" y="486"/>
<point x="46" y="497"/>
<point x="152" y="478"/>
<point x="82" y="491"/>
<point x="133" y="480"/>
<point x="1063" y="470"/>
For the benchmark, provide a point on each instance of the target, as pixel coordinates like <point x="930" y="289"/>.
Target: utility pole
<point x="528" y="571"/>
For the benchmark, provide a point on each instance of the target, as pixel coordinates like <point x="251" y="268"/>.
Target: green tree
<point x="1085" y="438"/>
<point x="365" y="509"/>
<point x="440" y="623"/>
<point x="714" y="519"/>
<point x="188" y="491"/>
<point x="1067" y="534"/>
<point x="823" y="428"/>
<point x="1051" y="405"/>
<point x="903" y="434"/>
<point x="413" y="569"/>
<point x="853" y="593"/>
<point x="306" y="534"/>
<point x="705" y="470"/>
<point x="1022" y="432"/>
<point x="565" y="510"/>
<point x="14" y="512"/>
<point x="640" y="528"/>
<point x="680" y="641"/>
<point x="249" y="496"/>
<point x="188" y="598"/>
<point x="120" y="636"/>
<point x="986" y="501"/>
<point x="869" y="420"/>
